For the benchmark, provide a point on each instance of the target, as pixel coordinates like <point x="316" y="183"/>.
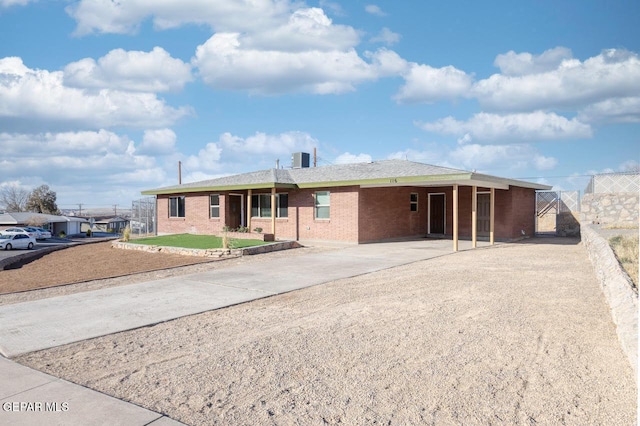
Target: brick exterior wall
<point x="357" y="214"/>
<point x="385" y="213"/>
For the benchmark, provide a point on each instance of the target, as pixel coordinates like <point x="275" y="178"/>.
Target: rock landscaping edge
<point x="618" y="289"/>
<point x="213" y="253"/>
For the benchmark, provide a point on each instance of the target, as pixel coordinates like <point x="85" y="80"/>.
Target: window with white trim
<point x="413" y="203"/>
<point x="322" y="204"/>
<point x="261" y="205"/>
<point x="214" y="206"/>
<point x="176" y="206"/>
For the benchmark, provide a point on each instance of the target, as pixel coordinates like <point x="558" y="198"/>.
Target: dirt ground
<point x="85" y="263"/>
<point x="515" y="334"/>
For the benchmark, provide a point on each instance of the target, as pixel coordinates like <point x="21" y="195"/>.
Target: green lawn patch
<point x="196" y="241"/>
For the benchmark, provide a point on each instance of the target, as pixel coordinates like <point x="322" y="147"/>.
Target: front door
<point x="234" y="219"/>
<point x="436" y="213"/>
<point x="484" y="214"/>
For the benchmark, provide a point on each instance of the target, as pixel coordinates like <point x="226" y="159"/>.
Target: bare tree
<point x="14" y="198"/>
<point x="42" y="200"/>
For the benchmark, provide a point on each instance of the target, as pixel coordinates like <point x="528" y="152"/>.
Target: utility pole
<point x="315" y="157"/>
<point x="115" y="210"/>
<point x="80" y="209"/>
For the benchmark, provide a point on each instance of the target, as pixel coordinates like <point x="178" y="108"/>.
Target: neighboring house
<point x="52" y="222"/>
<point x="113" y="224"/>
<point x="356" y="203"/>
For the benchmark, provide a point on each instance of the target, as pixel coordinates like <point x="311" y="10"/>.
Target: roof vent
<point x="300" y="160"/>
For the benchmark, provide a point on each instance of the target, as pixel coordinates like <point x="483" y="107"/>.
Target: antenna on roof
<point x="315" y="157"/>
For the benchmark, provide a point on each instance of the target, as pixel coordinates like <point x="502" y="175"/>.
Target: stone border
<point x="212" y="253"/>
<point x="618" y="290"/>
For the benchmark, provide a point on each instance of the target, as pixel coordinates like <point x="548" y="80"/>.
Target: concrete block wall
<point x="610" y="208"/>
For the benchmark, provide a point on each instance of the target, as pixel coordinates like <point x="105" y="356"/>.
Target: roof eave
<point x="213" y="188"/>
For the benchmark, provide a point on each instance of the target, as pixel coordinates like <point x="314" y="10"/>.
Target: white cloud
<point x="86" y="165"/>
<point x="154" y="71"/>
<point x="387" y="63"/>
<point x="224" y="63"/>
<point x="571" y="84"/>
<point x="387" y="37"/>
<point x="106" y="16"/>
<point x="158" y="142"/>
<point x="38" y="99"/>
<point x="265" y="145"/>
<point x="207" y="160"/>
<point x="9" y="3"/>
<point x="374" y="10"/>
<point x="618" y="110"/>
<point x="509" y="128"/>
<point x="427" y="84"/>
<point x="306" y="30"/>
<point x="509" y="157"/>
<point x="514" y="64"/>
<point x="348" y="158"/>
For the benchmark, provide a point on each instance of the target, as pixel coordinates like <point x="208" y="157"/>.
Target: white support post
<point x="273" y="212"/>
<point x="474" y="216"/>
<point x="455" y="217"/>
<point x="492" y="216"/>
<point x="249" y="209"/>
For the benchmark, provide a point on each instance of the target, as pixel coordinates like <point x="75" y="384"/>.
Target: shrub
<point x="258" y="230"/>
<point x="243" y="229"/>
<point x="226" y="228"/>
<point x="62" y="234"/>
<point x="126" y="234"/>
<point x="88" y="232"/>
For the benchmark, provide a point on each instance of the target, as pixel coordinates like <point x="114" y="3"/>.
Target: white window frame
<point x="316" y="205"/>
<point x="212" y="206"/>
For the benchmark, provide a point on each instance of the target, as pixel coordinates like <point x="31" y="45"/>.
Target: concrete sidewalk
<point x="29" y="397"/>
<point x="46" y="323"/>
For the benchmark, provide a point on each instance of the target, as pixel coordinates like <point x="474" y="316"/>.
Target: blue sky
<point x="101" y="99"/>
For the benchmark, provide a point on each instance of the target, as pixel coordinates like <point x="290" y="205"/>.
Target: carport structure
<point x="363" y="202"/>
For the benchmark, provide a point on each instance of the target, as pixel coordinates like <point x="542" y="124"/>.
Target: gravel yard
<point x="514" y="334"/>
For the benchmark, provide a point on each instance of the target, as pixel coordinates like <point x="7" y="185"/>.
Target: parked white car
<point x="14" y="231"/>
<point x="40" y="234"/>
<point x="11" y="241"/>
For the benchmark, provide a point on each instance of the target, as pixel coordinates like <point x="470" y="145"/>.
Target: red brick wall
<point x="386" y="213"/>
<point x="343" y="222"/>
<point x="523" y="208"/>
<point x="514" y="211"/>
<point x="196" y="220"/>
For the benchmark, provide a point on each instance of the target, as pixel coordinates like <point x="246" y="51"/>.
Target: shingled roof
<point x="374" y="174"/>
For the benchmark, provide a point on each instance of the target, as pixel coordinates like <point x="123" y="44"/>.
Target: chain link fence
<point x="143" y="217"/>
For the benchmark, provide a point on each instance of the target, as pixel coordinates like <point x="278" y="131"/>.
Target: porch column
<point x="492" y="215"/>
<point x="249" y="209"/>
<point x="455" y="217"/>
<point x="273" y="212"/>
<point x="474" y="216"/>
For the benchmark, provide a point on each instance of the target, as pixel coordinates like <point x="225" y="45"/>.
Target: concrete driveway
<point x="46" y="323"/>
